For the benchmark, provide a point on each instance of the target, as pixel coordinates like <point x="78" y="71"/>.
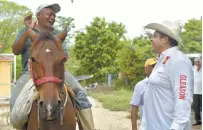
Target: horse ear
<point x="62" y="36"/>
<point x="32" y="35"/>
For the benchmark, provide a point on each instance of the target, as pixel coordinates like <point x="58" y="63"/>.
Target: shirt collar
<point x="35" y="29"/>
<point x="168" y="52"/>
<point x="53" y="30"/>
<point x="195" y="68"/>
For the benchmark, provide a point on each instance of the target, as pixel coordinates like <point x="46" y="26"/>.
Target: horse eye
<point x="64" y="59"/>
<point x="33" y="60"/>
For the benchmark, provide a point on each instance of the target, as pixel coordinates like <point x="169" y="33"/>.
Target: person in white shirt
<point x="197" y="97"/>
<point x="168" y="98"/>
<point x="138" y="95"/>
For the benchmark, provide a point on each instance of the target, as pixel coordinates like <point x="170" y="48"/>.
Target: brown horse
<point x="53" y="110"/>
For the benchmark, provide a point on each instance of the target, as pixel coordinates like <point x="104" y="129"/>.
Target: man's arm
<point x="181" y="78"/>
<point x="136" y="102"/>
<point x="134" y="111"/>
<point x="20" y="41"/>
<point x="22" y="36"/>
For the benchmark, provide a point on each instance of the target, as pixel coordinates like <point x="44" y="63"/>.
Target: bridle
<point x="46" y="79"/>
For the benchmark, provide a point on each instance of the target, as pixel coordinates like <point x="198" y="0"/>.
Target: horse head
<point x="47" y="71"/>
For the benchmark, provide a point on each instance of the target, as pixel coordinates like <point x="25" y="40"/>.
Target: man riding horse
<point x="45" y="19"/>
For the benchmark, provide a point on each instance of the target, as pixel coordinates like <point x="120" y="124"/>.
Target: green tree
<point x="72" y="64"/>
<point x="192" y="36"/>
<point x="11" y="19"/>
<point x="62" y="23"/>
<point x="132" y="57"/>
<point x="97" y="47"/>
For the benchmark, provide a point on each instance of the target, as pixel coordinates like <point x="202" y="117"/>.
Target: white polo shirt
<point x="169" y="95"/>
<point x="197" y="81"/>
<point x="138" y="100"/>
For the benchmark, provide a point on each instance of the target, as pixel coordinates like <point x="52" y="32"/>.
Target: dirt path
<point x="103" y="118"/>
<point x="108" y="120"/>
<point x="4" y="125"/>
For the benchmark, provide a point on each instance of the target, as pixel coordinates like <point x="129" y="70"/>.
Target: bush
<point x="122" y="84"/>
<point x="115" y="101"/>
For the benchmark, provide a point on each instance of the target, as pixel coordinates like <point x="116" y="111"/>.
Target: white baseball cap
<point x="56" y="7"/>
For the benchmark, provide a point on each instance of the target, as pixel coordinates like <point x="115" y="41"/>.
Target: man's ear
<point x="38" y="15"/>
<point x="165" y="39"/>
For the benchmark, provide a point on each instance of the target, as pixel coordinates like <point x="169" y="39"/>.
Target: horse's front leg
<point x="33" y="118"/>
<point x="69" y="117"/>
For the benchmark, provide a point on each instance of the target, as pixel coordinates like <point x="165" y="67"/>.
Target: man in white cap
<point x="197" y="101"/>
<point x="45" y="19"/>
<point x="169" y="95"/>
<point x="138" y="96"/>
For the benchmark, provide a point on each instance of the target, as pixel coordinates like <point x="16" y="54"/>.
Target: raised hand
<point x="29" y="22"/>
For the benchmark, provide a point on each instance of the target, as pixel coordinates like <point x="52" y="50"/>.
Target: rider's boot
<point x="86" y="119"/>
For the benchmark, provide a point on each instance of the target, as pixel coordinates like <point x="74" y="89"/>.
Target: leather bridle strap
<point x="48" y="79"/>
<point x="44" y="79"/>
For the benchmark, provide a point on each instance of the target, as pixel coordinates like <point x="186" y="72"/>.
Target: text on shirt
<point x="182" y="88"/>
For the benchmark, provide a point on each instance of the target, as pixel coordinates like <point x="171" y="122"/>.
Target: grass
<point x="115" y="100"/>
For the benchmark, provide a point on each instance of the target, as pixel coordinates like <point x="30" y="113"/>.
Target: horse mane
<point x="47" y="35"/>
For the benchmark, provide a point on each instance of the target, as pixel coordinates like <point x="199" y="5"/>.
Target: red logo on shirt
<point x="167" y="58"/>
<point x="182" y="88"/>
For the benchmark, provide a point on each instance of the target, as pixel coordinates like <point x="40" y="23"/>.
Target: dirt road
<point x="4" y="110"/>
<point x="108" y="120"/>
<point x="103" y="118"/>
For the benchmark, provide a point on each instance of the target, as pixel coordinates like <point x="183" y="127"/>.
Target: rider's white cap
<point x="56" y="7"/>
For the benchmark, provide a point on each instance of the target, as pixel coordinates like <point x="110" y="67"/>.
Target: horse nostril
<point x="41" y="103"/>
<point x="59" y="102"/>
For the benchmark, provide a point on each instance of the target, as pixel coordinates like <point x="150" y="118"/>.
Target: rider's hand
<point x="28" y="21"/>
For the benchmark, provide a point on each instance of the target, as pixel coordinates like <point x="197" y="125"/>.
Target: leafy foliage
<point x="72" y="64"/>
<point x="101" y="48"/>
<point x="62" y="23"/>
<point x="132" y="57"/>
<point x="192" y="36"/>
<point x="97" y="47"/>
<point x="11" y="19"/>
